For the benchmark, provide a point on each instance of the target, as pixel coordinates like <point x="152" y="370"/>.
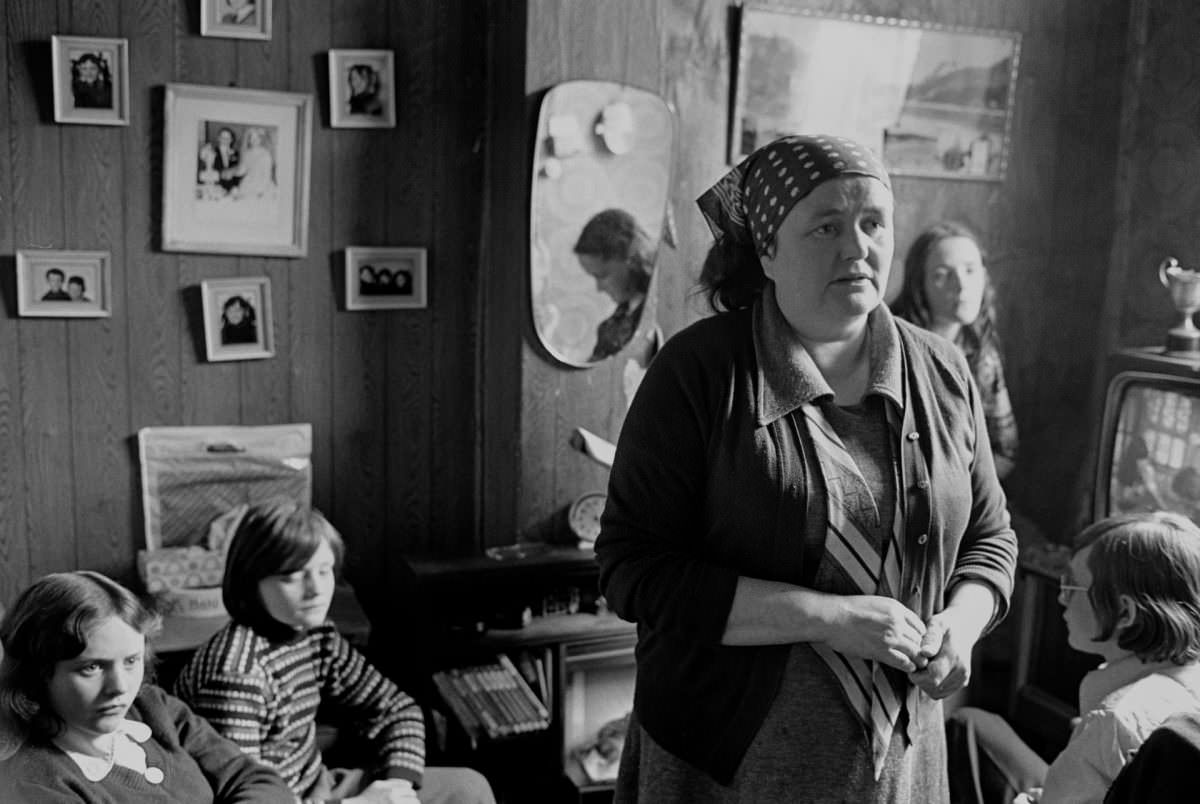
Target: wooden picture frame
<point x="236" y="19"/>
<point x="362" y="89"/>
<point x="64" y="284"/>
<point x="933" y="100"/>
<point x="236" y="172"/>
<point x="91" y="80"/>
<point x="238" y="320"/>
<point x="386" y="278"/>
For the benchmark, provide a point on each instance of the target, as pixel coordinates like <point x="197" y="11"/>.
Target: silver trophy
<point x="1184" y="286"/>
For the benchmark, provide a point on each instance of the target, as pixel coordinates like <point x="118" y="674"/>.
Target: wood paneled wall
<point x="1047" y="226"/>
<point x="391" y="395"/>
<point x="444" y="430"/>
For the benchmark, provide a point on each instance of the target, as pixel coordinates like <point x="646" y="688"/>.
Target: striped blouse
<point x="264" y="696"/>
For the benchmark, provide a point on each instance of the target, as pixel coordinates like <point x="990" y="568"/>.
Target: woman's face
<point x="253" y="138"/>
<point x="93" y="691"/>
<point x="612" y="276"/>
<point x="833" y="254"/>
<point x="301" y="599"/>
<point x="75" y="291"/>
<point x="88" y="71"/>
<point x="954" y="281"/>
<point x="234" y="313"/>
<point x="1083" y="624"/>
<point x="358" y="82"/>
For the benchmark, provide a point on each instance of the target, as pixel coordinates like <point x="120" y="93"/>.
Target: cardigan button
<point x="924" y="537"/>
<point x="922" y="484"/>
<point x="913" y="436"/>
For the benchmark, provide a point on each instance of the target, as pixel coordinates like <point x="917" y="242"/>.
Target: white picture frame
<point x="238" y="318"/>
<point x="54" y="283"/>
<point x="386" y="278"/>
<point x="90" y="79"/>
<point x="362" y="89"/>
<point x="236" y="19"/>
<point x="236" y="204"/>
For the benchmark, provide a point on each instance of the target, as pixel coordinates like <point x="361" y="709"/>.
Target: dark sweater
<point x="711" y="482"/>
<point x="199" y="766"/>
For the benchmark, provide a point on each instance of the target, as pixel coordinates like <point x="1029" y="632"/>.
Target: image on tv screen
<point x="1156" y="452"/>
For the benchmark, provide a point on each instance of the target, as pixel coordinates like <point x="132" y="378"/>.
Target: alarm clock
<point x="584" y="516"/>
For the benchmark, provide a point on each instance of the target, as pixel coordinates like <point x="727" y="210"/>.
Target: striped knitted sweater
<point x="264" y="696"/>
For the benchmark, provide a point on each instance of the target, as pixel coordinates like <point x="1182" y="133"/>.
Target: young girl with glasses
<point x="1132" y="597"/>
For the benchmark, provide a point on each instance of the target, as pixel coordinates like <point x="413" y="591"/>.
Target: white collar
<point x="125" y="752"/>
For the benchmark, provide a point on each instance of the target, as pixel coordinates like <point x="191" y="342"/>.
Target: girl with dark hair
<point x="364" y="90"/>
<point x="948" y="290"/>
<point x="279" y="647"/>
<point x="239" y="322"/>
<point x="615" y="251"/>
<point x="91" y="82"/>
<point x="72" y="683"/>
<point x="1132" y="597"/>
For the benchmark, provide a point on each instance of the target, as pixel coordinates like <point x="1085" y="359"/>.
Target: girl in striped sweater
<point x="261" y="679"/>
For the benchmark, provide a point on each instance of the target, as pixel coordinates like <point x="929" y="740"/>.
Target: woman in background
<point x="239" y="322"/>
<point x="279" y="583"/>
<point x="616" y="252"/>
<point x="1132" y="597"/>
<point x="947" y="290"/>
<point x="364" y="90"/>
<point x="72" y="685"/>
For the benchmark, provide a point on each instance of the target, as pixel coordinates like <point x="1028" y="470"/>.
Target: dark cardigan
<point x="710" y="483"/>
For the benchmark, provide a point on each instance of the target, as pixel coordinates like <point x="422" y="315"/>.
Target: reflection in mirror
<point x="601" y="171"/>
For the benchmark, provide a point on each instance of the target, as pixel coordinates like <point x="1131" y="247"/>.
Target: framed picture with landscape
<point x="933" y="100"/>
<point x="236" y="172"/>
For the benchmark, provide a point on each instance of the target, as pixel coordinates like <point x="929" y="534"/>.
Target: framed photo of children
<point x="64" y="284"/>
<point x="386" y="278"/>
<point x="91" y="80"/>
<point x="236" y="172"/>
<point x="362" y="89"/>
<point x="237" y="318"/>
<point x="236" y="19"/>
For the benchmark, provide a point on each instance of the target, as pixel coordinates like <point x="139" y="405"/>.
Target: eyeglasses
<point x="1066" y="588"/>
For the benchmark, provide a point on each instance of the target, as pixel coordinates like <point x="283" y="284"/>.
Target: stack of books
<point x="492" y="700"/>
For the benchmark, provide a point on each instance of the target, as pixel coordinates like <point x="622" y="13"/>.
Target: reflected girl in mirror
<point x="947" y="290"/>
<point x="619" y="255"/>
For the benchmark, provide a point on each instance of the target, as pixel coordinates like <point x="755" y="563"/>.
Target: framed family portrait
<point x="64" y="284"/>
<point x="362" y="89"/>
<point x="91" y="80"/>
<point x="237" y="318"/>
<point x="236" y="172"/>
<point x="933" y="100"/>
<point x="385" y="278"/>
<point x="236" y="19"/>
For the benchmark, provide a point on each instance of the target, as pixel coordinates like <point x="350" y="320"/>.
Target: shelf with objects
<point x="523" y="641"/>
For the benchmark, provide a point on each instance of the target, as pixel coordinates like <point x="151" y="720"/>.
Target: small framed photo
<point x="385" y="278"/>
<point x="64" y="284"/>
<point x="91" y="80"/>
<point x="237" y="318"/>
<point x="236" y="19"/>
<point x="362" y="89"/>
<point x="236" y="172"/>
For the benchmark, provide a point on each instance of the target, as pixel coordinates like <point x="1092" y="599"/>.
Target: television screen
<point x="1155" y="461"/>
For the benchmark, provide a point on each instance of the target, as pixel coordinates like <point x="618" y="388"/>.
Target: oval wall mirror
<point x="601" y="171"/>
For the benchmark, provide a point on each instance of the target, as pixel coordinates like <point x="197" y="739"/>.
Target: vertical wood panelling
<point x="14" y="552"/>
<point x="49" y="494"/>
<point x="99" y="385"/>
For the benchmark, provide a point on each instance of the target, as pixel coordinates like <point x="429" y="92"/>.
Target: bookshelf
<point x="483" y="649"/>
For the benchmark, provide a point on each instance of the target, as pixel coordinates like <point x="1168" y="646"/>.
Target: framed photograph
<point x="64" y="284"/>
<point x="237" y="318"/>
<point x="933" y="100"/>
<point x="91" y="80"/>
<point x="236" y="172"/>
<point x="236" y="19"/>
<point x="385" y="278"/>
<point x="362" y="89"/>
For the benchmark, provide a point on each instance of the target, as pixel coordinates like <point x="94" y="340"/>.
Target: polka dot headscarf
<point x="751" y="201"/>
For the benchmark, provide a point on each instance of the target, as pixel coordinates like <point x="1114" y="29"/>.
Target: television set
<point x="1149" y="439"/>
<point x="1147" y="457"/>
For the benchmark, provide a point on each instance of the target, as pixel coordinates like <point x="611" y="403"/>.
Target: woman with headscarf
<point x="803" y="515"/>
